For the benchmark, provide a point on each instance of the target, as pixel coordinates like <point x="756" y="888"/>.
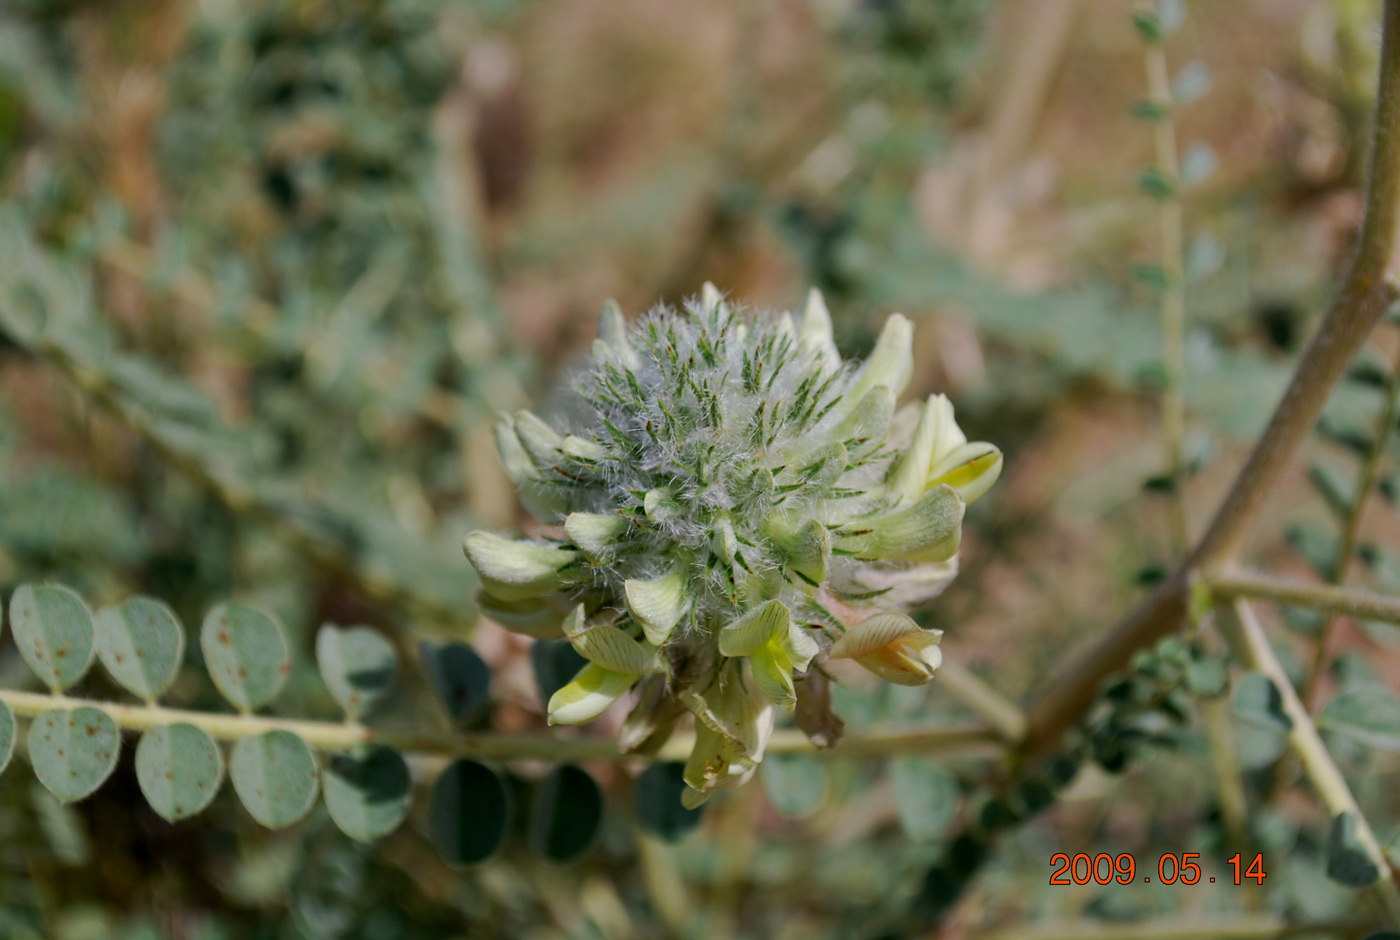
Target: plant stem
<point x="1331" y="786"/>
<point x="1234" y="807"/>
<point x="996" y="709"/>
<point x="1363" y="298"/>
<point x="1170" y="226"/>
<point x="1351" y="531"/>
<point x="1347" y="602"/>
<point x="966" y="737"/>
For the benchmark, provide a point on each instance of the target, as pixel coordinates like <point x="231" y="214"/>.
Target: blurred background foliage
<point x="270" y="268"/>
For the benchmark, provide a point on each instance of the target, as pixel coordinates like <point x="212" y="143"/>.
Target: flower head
<point x="725" y="485"/>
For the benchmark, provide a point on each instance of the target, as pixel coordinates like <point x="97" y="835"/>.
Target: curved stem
<point x="1170" y="226"/>
<point x="969" y="737"/>
<point x="1365" y="295"/>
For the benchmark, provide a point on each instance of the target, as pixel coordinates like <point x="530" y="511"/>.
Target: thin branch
<point x="964" y="738"/>
<point x="1254" y="648"/>
<point x="1346" y="602"/>
<point x="1169" y="224"/>
<point x="1370" y="472"/>
<point x="996" y="709"/>
<point x="1365" y="295"/>
<point x="1234" y="807"/>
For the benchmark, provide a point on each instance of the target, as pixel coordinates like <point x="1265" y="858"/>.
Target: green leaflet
<point x="54" y="633"/>
<point x="142" y="645"/>
<point x="73" y="752"/>
<point x="276" y="776"/>
<point x="246" y="652"/>
<point x="368" y="792"/>
<point x="358" y="665"/>
<point x="470" y="812"/>
<point x="179" y="768"/>
<point x="8" y="732"/>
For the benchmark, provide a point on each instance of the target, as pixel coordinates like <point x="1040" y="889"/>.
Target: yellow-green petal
<point x="591" y="693"/>
<point x="512" y="570"/>
<point x="928" y="530"/>
<point x="658" y="605"/>
<point x="754" y="630"/>
<point x="594" y="533"/>
<point x="611" y="648"/>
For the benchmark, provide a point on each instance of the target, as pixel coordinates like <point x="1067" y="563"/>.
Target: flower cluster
<point x="728" y="506"/>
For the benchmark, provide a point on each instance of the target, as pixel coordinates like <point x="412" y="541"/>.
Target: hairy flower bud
<point x="726" y="488"/>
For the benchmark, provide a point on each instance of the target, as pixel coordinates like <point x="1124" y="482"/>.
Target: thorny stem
<point x="1364" y="296"/>
<point x="1346" y="602"/>
<point x="1169" y="223"/>
<point x="1351" y="531"/>
<point x="951" y="738"/>
<point x="1254" y="648"/>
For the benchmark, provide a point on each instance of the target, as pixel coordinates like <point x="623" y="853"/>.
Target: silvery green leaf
<point x="925" y="798"/>
<point x="54" y="633"/>
<point x="657" y="797"/>
<point x="1258" y="702"/>
<point x="459" y="676"/>
<point x="1204" y="256"/>
<point x="73" y="752"/>
<point x="179" y="769"/>
<point x="565" y="814"/>
<point x="358" y="665"/>
<point x="142" y="645"/>
<point x="1198" y="163"/>
<point x="796" y="784"/>
<point x="246" y="653"/>
<point x="470" y="812"/>
<point x="1348" y="862"/>
<point x="8" y="733"/>
<point x="1191" y="83"/>
<point x="368" y="792"/>
<point x="276" y="776"/>
<point x="1370" y="714"/>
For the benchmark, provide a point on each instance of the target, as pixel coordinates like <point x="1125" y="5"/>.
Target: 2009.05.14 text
<point x="1172" y="869"/>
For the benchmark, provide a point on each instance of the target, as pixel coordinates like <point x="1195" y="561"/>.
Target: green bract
<point x="728" y="506"/>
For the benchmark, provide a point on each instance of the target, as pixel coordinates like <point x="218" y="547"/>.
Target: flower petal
<point x="535" y="616"/>
<point x="929" y="530"/>
<point x="753" y="631"/>
<point x="871" y="634"/>
<point x="514" y="570"/>
<point x="591" y="693"/>
<point x="594" y="533"/>
<point x="970" y="469"/>
<point x="771" y="668"/>
<point x="891" y="362"/>
<point x="910" y="661"/>
<point x="814" y="333"/>
<point x="611" y="648"/>
<point x="658" y="605"/>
